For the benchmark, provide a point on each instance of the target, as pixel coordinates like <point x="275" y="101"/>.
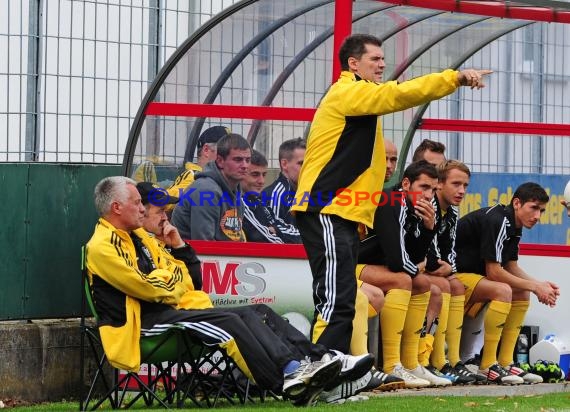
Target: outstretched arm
<point x="361" y="98"/>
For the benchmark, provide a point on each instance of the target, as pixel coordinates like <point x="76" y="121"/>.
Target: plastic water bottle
<point x="522" y="349"/>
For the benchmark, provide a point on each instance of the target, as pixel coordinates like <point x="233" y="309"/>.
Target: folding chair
<point x="159" y="353"/>
<point x="178" y="366"/>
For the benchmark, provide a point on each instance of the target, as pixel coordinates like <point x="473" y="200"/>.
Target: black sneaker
<point x="473" y="364"/>
<point x="456" y="377"/>
<point x="450" y="377"/>
<point x="461" y="370"/>
<point x="496" y="374"/>
<point x="384" y="382"/>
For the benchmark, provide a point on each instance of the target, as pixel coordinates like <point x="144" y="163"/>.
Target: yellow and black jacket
<point x="345" y="159"/>
<point x="183" y="180"/>
<point x="118" y="285"/>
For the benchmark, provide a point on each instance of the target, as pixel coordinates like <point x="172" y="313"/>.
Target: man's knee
<point x="457" y="288"/>
<point x="441" y="283"/>
<point x="497" y="291"/>
<point x="375" y="298"/>
<point x="420" y="284"/>
<point x="404" y="281"/>
<point x="435" y="291"/>
<point x="519" y="294"/>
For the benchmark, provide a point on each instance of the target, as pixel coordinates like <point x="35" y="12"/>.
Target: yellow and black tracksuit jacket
<point x="345" y="158"/>
<point x="112" y="267"/>
<point x="183" y="180"/>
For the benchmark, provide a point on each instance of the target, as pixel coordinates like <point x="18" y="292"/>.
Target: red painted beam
<point x="268" y="250"/>
<point x="342" y="29"/>
<point x="497" y="8"/>
<point x="249" y="249"/>
<point x="531" y="249"/>
<point x="481" y="126"/>
<point x="494" y="9"/>
<point x="229" y="111"/>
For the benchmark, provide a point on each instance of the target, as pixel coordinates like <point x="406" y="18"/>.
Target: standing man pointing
<point x="345" y="155"/>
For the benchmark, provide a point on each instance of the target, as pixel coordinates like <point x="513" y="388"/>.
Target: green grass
<point x="540" y="403"/>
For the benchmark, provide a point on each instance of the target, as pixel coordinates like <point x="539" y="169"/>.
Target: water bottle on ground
<point x="522" y="349"/>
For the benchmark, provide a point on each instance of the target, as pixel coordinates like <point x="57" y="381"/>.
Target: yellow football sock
<point x="438" y="355"/>
<point x="511" y="331"/>
<point x="425" y="349"/>
<point x="494" y="322"/>
<point x="454" y="326"/>
<point x="413" y="328"/>
<point x="359" y="340"/>
<point x="392" y="318"/>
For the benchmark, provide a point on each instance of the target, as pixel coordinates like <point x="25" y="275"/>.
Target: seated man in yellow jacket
<point x="138" y="287"/>
<point x="156" y="222"/>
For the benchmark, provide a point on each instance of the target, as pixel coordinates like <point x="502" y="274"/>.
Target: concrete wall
<point x="39" y="360"/>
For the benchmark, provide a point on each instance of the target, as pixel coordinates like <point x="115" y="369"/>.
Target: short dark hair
<point x="355" y="46"/>
<point x="287" y="148"/>
<point x="529" y="192"/>
<point x="231" y="141"/>
<point x="425" y="145"/>
<point x="257" y="159"/>
<point x="421" y="167"/>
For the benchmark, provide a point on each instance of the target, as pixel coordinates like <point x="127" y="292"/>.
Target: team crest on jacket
<point x="231" y="225"/>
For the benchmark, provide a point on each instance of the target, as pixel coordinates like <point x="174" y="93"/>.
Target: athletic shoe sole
<point x="314" y="387"/>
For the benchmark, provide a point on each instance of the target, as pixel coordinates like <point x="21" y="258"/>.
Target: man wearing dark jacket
<point x="282" y="190"/>
<point x="261" y="224"/>
<point x="211" y="208"/>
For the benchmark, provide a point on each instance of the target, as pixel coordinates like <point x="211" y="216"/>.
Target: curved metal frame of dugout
<point x="506" y="15"/>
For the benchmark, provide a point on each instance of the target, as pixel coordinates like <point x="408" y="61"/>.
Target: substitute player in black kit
<point x="453" y="181"/>
<point x="392" y="258"/>
<point x="487" y="247"/>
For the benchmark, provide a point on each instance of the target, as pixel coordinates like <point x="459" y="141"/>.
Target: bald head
<point x="391" y="159"/>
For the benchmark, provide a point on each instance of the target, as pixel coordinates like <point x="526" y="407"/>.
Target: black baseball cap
<point x="212" y="135"/>
<point x="153" y="194"/>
